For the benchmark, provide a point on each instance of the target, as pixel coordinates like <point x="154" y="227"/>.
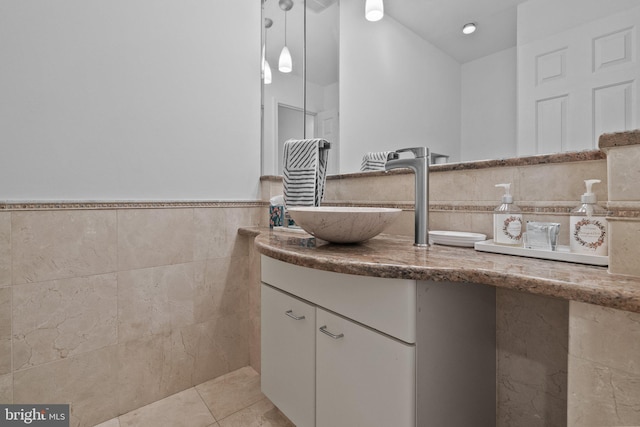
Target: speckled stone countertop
<point x="396" y="257"/>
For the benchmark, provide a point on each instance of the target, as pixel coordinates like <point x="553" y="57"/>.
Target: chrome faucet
<point x="420" y="166"/>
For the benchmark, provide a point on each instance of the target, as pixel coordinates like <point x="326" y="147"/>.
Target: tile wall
<point x="111" y="309"/>
<point x="604" y="350"/>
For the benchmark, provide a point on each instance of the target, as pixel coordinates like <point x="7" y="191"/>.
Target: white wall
<point x="489" y="105"/>
<point x="129" y="100"/>
<point x="284" y="89"/>
<point x="396" y="90"/>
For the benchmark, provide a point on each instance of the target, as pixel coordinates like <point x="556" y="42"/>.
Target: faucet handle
<point x="417" y="151"/>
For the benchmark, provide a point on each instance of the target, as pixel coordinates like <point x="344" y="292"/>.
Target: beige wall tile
<point x="154" y="237"/>
<point x="450" y="221"/>
<point x="482" y="222"/>
<point x="155" y="300"/>
<point x="5" y="330"/>
<point x="606" y="336"/>
<point x="560" y="181"/>
<point x="475" y="222"/>
<point x="254" y="308"/>
<point x="86" y="381"/>
<point x="217" y="231"/>
<point x="526" y="406"/>
<point x="184" y="409"/>
<point x="404" y="225"/>
<point x="219" y="346"/>
<point x="221" y="288"/>
<point x="57" y="319"/>
<point x="153" y="368"/>
<point x="471" y="185"/>
<point x="62" y="244"/>
<point x="269" y="188"/>
<point x="531" y="336"/>
<point x="601" y="395"/>
<point x="624" y="173"/>
<point x="231" y="392"/>
<point x="6" y="388"/>
<point x="5" y="249"/>
<point x="392" y="187"/>
<point x="624" y="247"/>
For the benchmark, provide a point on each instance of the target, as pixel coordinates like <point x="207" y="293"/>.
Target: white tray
<point x="561" y="254"/>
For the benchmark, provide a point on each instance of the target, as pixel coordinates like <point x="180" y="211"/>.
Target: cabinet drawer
<point x="288" y="355"/>
<point x="363" y="378"/>
<point x="388" y="305"/>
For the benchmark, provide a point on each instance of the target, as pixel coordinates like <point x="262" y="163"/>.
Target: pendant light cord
<point x="285" y="28"/>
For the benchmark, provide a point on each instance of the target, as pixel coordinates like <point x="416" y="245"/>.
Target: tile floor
<point x="233" y="400"/>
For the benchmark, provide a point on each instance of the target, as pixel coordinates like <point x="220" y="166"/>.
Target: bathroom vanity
<point x="347" y="350"/>
<point x="383" y="333"/>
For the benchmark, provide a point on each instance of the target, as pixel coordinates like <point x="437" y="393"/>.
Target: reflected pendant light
<point x="373" y="10"/>
<point x="267" y="73"/>
<point x="285" y="63"/>
<point x="266" y="68"/>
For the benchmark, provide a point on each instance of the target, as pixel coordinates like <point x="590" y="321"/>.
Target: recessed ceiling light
<point x="469" y="28"/>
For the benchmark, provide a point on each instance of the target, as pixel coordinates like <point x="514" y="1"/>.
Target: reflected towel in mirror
<point x="374" y="161"/>
<point x="305" y="171"/>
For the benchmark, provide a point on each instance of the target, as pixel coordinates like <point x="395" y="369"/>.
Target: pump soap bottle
<point x="588" y="224"/>
<point x="507" y="220"/>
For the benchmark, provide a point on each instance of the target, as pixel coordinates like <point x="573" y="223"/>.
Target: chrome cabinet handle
<point x="323" y="329"/>
<point x="293" y="316"/>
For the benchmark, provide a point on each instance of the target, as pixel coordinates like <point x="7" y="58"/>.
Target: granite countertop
<point x="393" y="256"/>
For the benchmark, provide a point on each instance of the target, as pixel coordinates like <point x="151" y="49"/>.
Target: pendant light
<point x="373" y="10"/>
<point x="285" y="63"/>
<point x="266" y="68"/>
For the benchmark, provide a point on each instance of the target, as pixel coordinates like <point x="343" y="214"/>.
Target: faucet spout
<point x="420" y="166"/>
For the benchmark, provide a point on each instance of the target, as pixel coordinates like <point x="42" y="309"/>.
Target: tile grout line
<point x="205" y="403"/>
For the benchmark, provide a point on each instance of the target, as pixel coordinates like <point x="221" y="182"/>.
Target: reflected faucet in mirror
<point x="420" y="166"/>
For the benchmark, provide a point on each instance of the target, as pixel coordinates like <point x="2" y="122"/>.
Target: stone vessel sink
<point x="343" y="224"/>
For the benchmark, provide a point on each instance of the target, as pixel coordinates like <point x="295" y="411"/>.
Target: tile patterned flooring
<point x="233" y="400"/>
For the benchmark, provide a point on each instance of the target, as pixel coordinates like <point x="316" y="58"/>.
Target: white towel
<point x="374" y="161"/>
<point x="305" y="171"/>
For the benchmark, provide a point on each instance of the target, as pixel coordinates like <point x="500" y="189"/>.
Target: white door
<point x="578" y="84"/>
<point x="363" y="378"/>
<point x="327" y="127"/>
<point x="288" y="355"/>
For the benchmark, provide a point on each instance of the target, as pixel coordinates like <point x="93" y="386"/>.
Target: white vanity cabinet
<point x="361" y="376"/>
<point x="289" y="355"/>
<point x="376" y="351"/>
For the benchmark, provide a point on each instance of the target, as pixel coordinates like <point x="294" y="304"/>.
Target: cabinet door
<point x="288" y="355"/>
<point x="363" y="378"/>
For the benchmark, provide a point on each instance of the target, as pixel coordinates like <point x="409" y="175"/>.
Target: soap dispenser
<point x="507" y="220"/>
<point x="588" y="225"/>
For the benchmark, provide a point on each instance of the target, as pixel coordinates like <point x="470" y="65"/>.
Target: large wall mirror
<point x="536" y="77"/>
<point x="302" y="102"/>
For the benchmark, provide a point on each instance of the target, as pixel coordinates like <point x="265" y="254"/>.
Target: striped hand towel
<point x="305" y="169"/>
<point x="374" y="161"/>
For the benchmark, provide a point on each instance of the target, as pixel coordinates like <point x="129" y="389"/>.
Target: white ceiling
<point x="440" y="22"/>
<point x="437" y="21"/>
